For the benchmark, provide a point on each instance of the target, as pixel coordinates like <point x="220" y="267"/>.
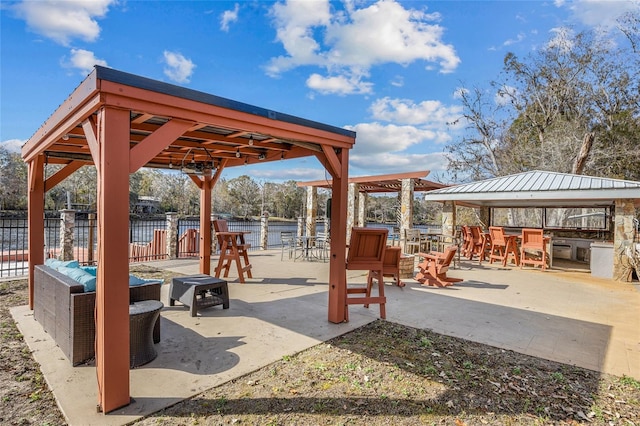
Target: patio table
<point x="142" y="319"/>
<point x="198" y="292"/>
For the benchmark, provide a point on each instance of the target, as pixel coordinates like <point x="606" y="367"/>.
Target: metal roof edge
<point x="128" y="79"/>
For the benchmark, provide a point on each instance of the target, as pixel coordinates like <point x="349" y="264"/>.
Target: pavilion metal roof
<point x="384" y="183"/>
<point x="539" y="188"/>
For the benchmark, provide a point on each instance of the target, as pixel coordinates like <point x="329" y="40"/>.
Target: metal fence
<point x="147" y="238"/>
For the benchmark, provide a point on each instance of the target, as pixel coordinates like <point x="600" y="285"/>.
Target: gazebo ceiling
<point x="195" y="130"/>
<point x="384" y="183"/>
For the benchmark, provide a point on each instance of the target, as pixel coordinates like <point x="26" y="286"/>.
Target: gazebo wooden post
<point x="36" y="218"/>
<point x="205" y="223"/>
<point x="112" y="292"/>
<point x="338" y="233"/>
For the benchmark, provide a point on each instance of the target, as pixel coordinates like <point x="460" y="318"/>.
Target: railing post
<point x="172" y="235"/>
<point x="67" y="223"/>
<point x="91" y="243"/>
<point x="264" y="231"/>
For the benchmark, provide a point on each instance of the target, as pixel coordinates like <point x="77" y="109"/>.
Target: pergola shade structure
<point x="121" y="122"/>
<point x="405" y="184"/>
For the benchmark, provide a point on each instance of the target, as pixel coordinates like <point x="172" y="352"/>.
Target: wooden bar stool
<point x="367" y="249"/>
<point x="233" y="248"/>
<point x="503" y="246"/>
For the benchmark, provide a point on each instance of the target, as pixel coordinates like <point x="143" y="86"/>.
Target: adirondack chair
<point x="233" y="248"/>
<point x="390" y="267"/>
<point x="367" y="248"/>
<point x="434" y="267"/>
<point x="533" y="240"/>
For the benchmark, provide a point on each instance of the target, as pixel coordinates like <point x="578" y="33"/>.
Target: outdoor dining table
<point x="306" y="243"/>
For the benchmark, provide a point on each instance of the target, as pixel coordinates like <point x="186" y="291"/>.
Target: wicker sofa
<point x="66" y="311"/>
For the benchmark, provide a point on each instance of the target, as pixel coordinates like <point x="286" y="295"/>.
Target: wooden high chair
<point x="233" y="248"/>
<point x="534" y="240"/>
<point x="367" y="248"/>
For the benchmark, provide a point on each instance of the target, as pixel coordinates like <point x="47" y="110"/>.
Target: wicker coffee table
<point x="142" y="319"/>
<point x="198" y="292"/>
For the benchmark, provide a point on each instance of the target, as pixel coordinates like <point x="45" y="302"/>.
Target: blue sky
<point x="388" y="69"/>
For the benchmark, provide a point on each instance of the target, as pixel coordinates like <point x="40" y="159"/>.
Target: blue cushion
<point x="134" y="281"/>
<point x="84" y="278"/>
<point x="93" y="270"/>
<point x="56" y="263"/>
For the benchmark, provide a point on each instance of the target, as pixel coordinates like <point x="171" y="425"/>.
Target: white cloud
<point x="352" y="41"/>
<point x="562" y="39"/>
<point x="63" y="21"/>
<point x="178" y="68"/>
<point x="340" y="84"/>
<point x="427" y="114"/>
<point x="599" y="13"/>
<point x="505" y="94"/>
<point x="390" y="163"/>
<point x="376" y="138"/>
<point x="516" y="40"/>
<point x="83" y="60"/>
<point x="229" y="16"/>
<point x="12" y="145"/>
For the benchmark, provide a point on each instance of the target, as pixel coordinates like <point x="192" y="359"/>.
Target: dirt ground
<point x="379" y="374"/>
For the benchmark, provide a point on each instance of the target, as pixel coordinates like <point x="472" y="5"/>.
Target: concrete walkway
<point x="568" y="317"/>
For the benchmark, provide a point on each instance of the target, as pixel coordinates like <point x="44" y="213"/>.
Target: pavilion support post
<point x="36" y="218"/>
<point x="485" y="218"/>
<point x="312" y="210"/>
<point x="112" y="292"/>
<point x="406" y="209"/>
<point x="352" y="207"/>
<point x="623" y="240"/>
<point x="449" y="218"/>
<point x="337" y="260"/>
<point x="205" y="223"/>
<point x="362" y="209"/>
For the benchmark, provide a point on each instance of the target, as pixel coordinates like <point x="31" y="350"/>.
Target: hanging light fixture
<point x="250" y="140"/>
<point x="238" y="155"/>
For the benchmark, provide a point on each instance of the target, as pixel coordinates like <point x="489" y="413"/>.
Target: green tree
<point x="247" y="195"/>
<point x="13" y="181"/>
<point x="572" y="106"/>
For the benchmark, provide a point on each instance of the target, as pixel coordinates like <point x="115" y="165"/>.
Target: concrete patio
<point x="561" y="315"/>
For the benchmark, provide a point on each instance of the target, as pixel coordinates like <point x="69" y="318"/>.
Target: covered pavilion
<point x="543" y="189"/>
<point x="121" y="122"/>
<point x="405" y="184"/>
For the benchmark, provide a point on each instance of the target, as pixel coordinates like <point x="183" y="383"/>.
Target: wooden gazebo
<point x="121" y="122"/>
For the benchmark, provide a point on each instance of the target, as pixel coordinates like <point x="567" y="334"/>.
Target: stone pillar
<point x="449" y="218"/>
<point x="484" y="216"/>
<point x="67" y="225"/>
<point x="623" y="239"/>
<point x="352" y="207"/>
<point x="264" y="231"/>
<point x="406" y="209"/>
<point x="362" y="209"/>
<point x="172" y="235"/>
<point x="300" y="230"/>
<point x="312" y="210"/>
